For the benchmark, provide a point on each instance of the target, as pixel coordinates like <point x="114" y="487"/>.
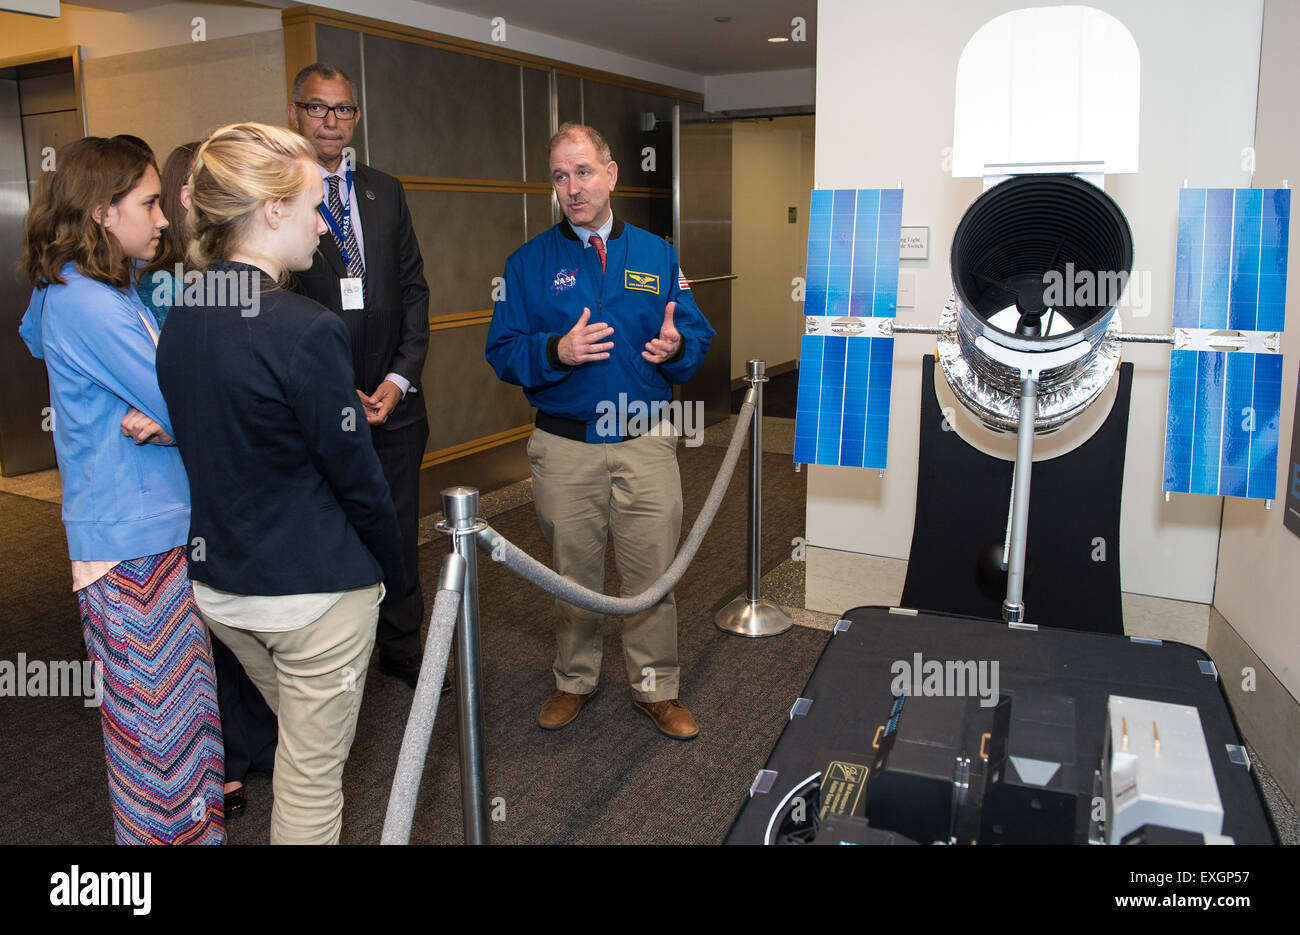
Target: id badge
<point x="351" y="290"/>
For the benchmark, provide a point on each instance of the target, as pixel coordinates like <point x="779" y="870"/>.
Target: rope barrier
<point x="524" y="565"/>
<point x="419" y="725"/>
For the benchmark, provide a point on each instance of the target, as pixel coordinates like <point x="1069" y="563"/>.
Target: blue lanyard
<point x="340" y="230"/>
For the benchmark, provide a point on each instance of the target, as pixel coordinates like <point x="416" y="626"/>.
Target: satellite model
<point x="1031" y="335"/>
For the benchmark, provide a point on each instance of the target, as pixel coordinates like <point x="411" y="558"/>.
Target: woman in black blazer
<point x="293" y="538"/>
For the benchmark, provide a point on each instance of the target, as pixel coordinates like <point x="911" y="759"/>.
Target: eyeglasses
<point x="318" y="110"/>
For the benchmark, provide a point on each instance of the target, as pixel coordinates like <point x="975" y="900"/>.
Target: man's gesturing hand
<point x="659" y="349"/>
<point x="583" y="342"/>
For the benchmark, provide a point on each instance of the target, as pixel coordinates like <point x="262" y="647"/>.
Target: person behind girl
<point x="125" y="496"/>
<point x="288" y="498"/>
<point x="247" y="724"/>
<point x="156" y="283"/>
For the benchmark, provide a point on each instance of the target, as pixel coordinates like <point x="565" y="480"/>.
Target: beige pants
<point x="630" y="492"/>
<point x="312" y="678"/>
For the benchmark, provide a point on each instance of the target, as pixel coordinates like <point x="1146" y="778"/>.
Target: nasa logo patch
<point x="564" y="280"/>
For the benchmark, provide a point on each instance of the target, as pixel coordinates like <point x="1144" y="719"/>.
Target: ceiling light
<point x="778" y="39"/>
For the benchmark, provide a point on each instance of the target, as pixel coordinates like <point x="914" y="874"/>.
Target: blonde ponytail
<point x="236" y="170"/>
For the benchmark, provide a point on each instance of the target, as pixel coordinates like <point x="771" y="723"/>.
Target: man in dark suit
<point x="370" y="273"/>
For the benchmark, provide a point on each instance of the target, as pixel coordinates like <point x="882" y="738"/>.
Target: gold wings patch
<point x="645" y="282"/>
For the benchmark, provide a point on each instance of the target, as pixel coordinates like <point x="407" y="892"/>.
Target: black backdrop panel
<point x="961" y="511"/>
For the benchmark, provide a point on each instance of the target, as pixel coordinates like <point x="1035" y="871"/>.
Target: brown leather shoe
<point x="671" y="717"/>
<point x="561" y="708"/>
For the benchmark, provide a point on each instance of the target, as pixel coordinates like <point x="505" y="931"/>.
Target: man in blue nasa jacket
<point x="596" y="323"/>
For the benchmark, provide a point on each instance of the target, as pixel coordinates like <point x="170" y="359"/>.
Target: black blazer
<point x="286" y="492"/>
<point x="391" y="334"/>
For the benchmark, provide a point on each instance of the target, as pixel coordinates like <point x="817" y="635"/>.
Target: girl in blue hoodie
<point x="125" y="493"/>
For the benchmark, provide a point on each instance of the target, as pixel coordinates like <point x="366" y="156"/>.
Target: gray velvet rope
<point x="524" y="565"/>
<point x="419" y="725"/>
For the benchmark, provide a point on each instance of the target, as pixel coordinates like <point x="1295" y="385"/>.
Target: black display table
<point x="849" y="697"/>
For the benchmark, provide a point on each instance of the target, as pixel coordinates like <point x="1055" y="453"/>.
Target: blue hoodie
<point x="120" y="500"/>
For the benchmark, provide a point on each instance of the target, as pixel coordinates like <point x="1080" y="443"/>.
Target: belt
<point x="572" y="429"/>
<point x="576" y="429"/>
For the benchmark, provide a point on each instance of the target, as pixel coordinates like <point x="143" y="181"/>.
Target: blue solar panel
<point x="842" y="414"/>
<point x="1221" y="435"/>
<point x="853" y="252"/>
<point x="1230" y="270"/>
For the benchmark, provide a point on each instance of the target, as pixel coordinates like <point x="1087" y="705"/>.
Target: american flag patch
<point x="681" y="281"/>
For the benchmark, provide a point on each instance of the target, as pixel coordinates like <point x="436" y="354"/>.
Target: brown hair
<point x="90" y="173"/>
<point x="575" y="131"/>
<point x="236" y="170"/>
<point x="176" y="235"/>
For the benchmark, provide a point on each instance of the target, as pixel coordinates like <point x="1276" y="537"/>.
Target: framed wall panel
<point x="539" y="214"/>
<point x="633" y="209"/>
<point x="456" y="361"/>
<point x="568" y="98"/>
<point x="439" y="113"/>
<point x="342" y="49"/>
<point x="465" y="238"/>
<point x="537" y="123"/>
<point x="615" y="112"/>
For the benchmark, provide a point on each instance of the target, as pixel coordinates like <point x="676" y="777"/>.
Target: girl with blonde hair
<point x="287" y="494"/>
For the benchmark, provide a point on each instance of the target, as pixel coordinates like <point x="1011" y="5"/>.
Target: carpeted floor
<point x="610" y="777"/>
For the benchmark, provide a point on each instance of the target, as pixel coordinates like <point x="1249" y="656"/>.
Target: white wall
<point x="772" y="170"/>
<point x="795" y="87"/>
<point x="479" y="28"/>
<point x="102" y="33"/>
<point x="1258" y="586"/>
<point x="885" y="92"/>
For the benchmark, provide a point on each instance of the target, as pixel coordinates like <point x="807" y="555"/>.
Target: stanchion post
<point x="1013" y="608"/>
<point x="749" y="614"/>
<point x="460" y="507"/>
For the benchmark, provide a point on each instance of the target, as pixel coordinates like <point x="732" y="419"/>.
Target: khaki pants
<point x="630" y="492"/>
<point x="312" y="678"/>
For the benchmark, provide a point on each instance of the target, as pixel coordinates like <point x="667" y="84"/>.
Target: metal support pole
<point x="749" y="614"/>
<point x="460" y="507"/>
<point x="677" y="179"/>
<point x="1013" y="608"/>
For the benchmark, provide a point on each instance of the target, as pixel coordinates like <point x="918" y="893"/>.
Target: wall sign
<point x="914" y="243"/>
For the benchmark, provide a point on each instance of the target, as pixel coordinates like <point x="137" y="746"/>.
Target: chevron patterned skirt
<point x="162" y="729"/>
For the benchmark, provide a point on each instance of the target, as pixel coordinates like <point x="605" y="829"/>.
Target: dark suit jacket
<point x="286" y="491"/>
<point x="391" y="334"/>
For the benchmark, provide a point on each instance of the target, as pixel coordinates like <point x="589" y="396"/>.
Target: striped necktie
<point x="348" y="246"/>
<point x="599" y="244"/>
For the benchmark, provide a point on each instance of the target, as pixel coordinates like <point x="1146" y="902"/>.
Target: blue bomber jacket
<point x="550" y="280"/>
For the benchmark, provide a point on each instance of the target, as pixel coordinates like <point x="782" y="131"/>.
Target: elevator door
<point x="39" y="112"/>
<point x="703" y="207"/>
